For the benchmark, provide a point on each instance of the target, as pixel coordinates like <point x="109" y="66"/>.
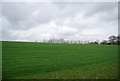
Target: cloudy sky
<point x="68" y="20"/>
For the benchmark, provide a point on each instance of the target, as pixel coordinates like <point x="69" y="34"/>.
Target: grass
<point x="23" y="60"/>
<point x="0" y="60"/>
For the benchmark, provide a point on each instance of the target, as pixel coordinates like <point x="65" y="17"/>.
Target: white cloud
<point x="72" y="21"/>
<point x="44" y="31"/>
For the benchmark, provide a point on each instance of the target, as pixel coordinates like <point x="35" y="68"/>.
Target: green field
<point x="27" y="60"/>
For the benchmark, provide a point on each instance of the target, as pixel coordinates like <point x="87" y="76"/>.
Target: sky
<point x="85" y="21"/>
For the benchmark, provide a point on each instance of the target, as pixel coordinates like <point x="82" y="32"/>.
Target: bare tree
<point x="118" y="39"/>
<point x="104" y="42"/>
<point x="112" y="39"/>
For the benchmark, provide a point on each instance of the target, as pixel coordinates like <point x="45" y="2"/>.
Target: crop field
<point x="30" y="60"/>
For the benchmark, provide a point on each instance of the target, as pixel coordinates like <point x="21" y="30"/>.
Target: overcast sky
<point x="68" y="20"/>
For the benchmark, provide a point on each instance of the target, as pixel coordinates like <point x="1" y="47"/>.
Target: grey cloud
<point x="38" y="21"/>
<point x="119" y="18"/>
<point x="101" y="7"/>
<point x="14" y="12"/>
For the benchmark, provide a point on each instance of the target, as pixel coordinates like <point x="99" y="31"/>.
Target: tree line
<point x="112" y="40"/>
